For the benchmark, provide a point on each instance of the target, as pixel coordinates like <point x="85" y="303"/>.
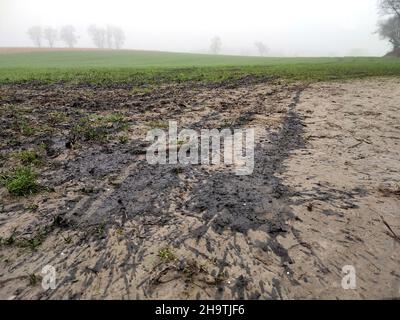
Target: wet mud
<point x="115" y="226"/>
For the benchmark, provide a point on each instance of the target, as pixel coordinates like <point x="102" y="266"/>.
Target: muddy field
<point x="324" y="194"/>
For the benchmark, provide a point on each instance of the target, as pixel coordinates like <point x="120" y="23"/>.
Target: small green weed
<point x="21" y="182"/>
<point x="166" y="254"/>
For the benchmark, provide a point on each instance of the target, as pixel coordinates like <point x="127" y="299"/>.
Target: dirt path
<point x="323" y="195"/>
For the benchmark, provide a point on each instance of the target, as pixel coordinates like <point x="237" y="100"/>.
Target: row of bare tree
<point x="108" y="37"/>
<point x="389" y="28"/>
<point x="50" y="35"/>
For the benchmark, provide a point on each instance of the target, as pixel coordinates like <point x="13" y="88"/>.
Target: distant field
<point x="149" y="67"/>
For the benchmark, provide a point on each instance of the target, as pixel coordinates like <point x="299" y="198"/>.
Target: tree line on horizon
<point x="110" y="37"/>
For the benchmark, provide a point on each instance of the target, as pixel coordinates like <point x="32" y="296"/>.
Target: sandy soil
<point x="324" y="194"/>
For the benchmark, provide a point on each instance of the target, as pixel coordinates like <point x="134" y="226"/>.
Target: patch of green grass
<point x="144" y="70"/>
<point x="166" y="255"/>
<point x="87" y="130"/>
<point x="32" y="207"/>
<point x="33" y="279"/>
<point x="21" y="182"/>
<point x="193" y="268"/>
<point x="25" y="128"/>
<point x="29" y="157"/>
<point x="157" y="124"/>
<point x="32" y="243"/>
<point x="113" y="118"/>
<point x="108" y="118"/>
<point x="3" y="157"/>
<point x="220" y="278"/>
<point x="98" y="127"/>
<point x="35" y="241"/>
<point x="98" y="231"/>
<point x="116" y="120"/>
<point x="67" y="240"/>
<point x="58" y="117"/>
<point x="123" y="139"/>
<point x="123" y="127"/>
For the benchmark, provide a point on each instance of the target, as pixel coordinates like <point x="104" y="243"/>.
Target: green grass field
<point x="150" y="68"/>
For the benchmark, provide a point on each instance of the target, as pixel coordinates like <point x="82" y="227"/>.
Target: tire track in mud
<point x="239" y="204"/>
<point x="219" y="200"/>
<point x="182" y="206"/>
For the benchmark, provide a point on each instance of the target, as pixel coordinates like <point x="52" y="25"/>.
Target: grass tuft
<point x="25" y="128"/>
<point x="89" y="131"/>
<point x="33" y="279"/>
<point x="29" y="157"/>
<point x="21" y="182"/>
<point x="166" y="255"/>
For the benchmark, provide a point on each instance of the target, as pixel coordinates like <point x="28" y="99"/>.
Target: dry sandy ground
<point x="325" y="193"/>
<point x="350" y="162"/>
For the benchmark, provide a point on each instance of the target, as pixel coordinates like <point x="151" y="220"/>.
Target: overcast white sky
<point x="288" y="27"/>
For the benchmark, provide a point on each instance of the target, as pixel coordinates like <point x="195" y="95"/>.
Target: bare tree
<point x="109" y="36"/>
<point x="119" y="37"/>
<point x="391" y="7"/>
<point x="390" y="29"/>
<point x="68" y="35"/>
<point x="262" y="48"/>
<point x="98" y="36"/>
<point x="50" y="34"/>
<point x="216" y="44"/>
<point x="36" y="35"/>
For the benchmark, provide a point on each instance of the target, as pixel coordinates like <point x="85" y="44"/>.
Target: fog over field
<point x="288" y="28"/>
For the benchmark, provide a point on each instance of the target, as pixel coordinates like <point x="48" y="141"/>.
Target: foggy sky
<point x="287" y="27"/>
